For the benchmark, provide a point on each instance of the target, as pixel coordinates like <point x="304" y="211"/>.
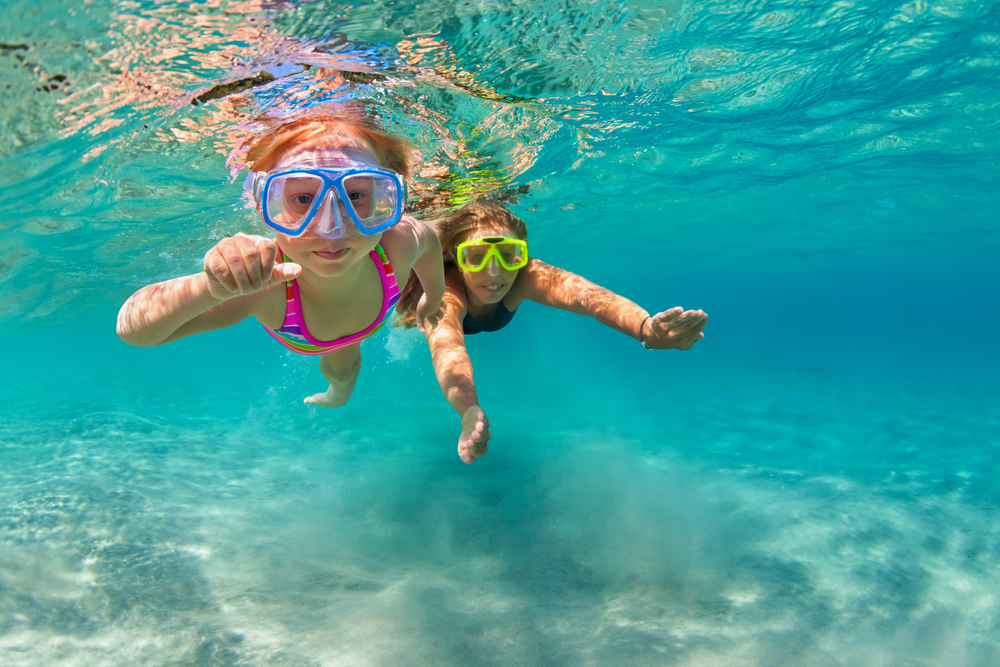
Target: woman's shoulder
<point x="529" y="277"/>
<point x="537" y="281"/>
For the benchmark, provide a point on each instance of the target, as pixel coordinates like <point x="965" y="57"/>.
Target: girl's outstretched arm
<point x="453" y="369"/>
<point x="236" y="266"/>
<point x="675" y="328"/>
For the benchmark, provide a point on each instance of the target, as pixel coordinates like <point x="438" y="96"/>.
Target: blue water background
<point x="813" y="484"/>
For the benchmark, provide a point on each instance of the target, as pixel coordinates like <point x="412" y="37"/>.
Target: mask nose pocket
<point x="327" y="221"/>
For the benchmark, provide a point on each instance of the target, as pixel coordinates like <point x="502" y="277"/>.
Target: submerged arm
<point x="675" y="328"/>
<point x="453" y="369"/>
<point x="237" y="270"/>
<point x="452" y="365"/>
<point x="157" y="313"/>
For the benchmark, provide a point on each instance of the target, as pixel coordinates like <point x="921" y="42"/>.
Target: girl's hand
<point x="475" y="434"/>
<point x="428" y="312"/>
<point x="244" y="264"/>
<point x="674" y="329"/>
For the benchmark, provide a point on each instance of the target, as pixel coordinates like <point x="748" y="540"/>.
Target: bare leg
<point x="340" y="368"/>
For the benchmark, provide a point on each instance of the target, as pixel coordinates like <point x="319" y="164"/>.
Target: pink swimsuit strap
<point x="294" y="334"/>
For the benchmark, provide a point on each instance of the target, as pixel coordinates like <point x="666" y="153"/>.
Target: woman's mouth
<point x="332" y="254"/>
<point x="493" y="289"/>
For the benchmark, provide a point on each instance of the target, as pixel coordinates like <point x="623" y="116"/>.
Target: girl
<point x="488" y="275"/>
<point x="333" y="192"/>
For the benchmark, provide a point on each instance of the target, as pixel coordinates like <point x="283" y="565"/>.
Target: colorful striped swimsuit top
<point x="294" y="335"/>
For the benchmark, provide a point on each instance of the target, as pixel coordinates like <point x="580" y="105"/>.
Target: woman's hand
<point x="475" y="434"/>
<point x="674" y="329"/>
<point x="428" y="312"/>
<point x="244" y="264"/>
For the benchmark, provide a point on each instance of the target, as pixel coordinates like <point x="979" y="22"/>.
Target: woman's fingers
<point x="692" y="320"/>
<point x="475" y="434"/>
<point x="677" y="328"/>
<point x="686" y="320"/>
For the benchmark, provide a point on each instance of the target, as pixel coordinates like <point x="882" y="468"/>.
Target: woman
<point x="487" y="275"/>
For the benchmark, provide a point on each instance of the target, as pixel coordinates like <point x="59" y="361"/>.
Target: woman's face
<point x="491" y="284"/>
<point x="327" y="257"/>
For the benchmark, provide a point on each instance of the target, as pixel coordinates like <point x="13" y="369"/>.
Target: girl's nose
<point x="494" y="268"/>
<point x="331" y="219"/>
<point x="326" y="221"/>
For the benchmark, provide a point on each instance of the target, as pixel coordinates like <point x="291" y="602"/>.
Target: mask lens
<point x="511" y="255"/>
<point x="473" y="257"/>
<point x="290" y="198"/>
<point x="374" y="198"/>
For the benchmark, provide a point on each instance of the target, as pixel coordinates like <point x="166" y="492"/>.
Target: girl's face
<point x="325" y="257"/>
<point x="491" y="284"/>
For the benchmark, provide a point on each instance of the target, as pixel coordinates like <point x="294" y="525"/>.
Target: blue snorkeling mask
<point x="323" y="195"/>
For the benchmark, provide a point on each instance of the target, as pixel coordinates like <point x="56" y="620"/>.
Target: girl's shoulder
<point x="402" y="241"/>
<point x="405" y="235"/>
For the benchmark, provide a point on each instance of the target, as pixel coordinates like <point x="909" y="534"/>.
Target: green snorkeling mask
<point x="474" y="255"/>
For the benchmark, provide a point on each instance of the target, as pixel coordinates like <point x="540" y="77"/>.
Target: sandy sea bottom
<point x="178" y="506"/>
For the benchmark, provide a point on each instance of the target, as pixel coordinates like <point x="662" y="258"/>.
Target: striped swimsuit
<point x="294" y="335"/>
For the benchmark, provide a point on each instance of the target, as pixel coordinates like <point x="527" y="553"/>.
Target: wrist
<point x="642" y="337"/>
<point x="204" y="290"/>
<point x="461" y="401"/>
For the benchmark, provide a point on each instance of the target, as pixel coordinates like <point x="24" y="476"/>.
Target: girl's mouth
<point x="332" y="254"/>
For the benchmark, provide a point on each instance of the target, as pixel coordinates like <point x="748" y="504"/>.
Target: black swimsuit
<point x="501" y="316"/>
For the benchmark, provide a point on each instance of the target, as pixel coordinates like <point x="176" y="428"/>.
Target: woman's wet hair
<point x="267" y="149"/>
<point x="452" y="229"/>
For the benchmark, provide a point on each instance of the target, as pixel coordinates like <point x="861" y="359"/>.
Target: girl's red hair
<point x="266" y="150"/>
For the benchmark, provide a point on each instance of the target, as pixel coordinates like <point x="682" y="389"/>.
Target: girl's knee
<point x="341" y="370"/>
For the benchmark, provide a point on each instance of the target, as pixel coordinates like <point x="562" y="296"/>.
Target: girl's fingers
<point x="234" y="264"/>
<point x="218" y="268"/>
<point x="250" y="254"/>
<point x="286" y="271"/>
<point x="268" y="252"/>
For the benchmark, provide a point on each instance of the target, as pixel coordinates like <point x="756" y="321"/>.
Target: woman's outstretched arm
<point x="453" y="369"/>
<point x="548" y="285"/>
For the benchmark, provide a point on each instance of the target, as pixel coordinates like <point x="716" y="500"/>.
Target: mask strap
<point x="254" y="184"/>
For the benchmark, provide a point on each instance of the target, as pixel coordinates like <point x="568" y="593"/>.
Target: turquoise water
<point x="815" y="483"/>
